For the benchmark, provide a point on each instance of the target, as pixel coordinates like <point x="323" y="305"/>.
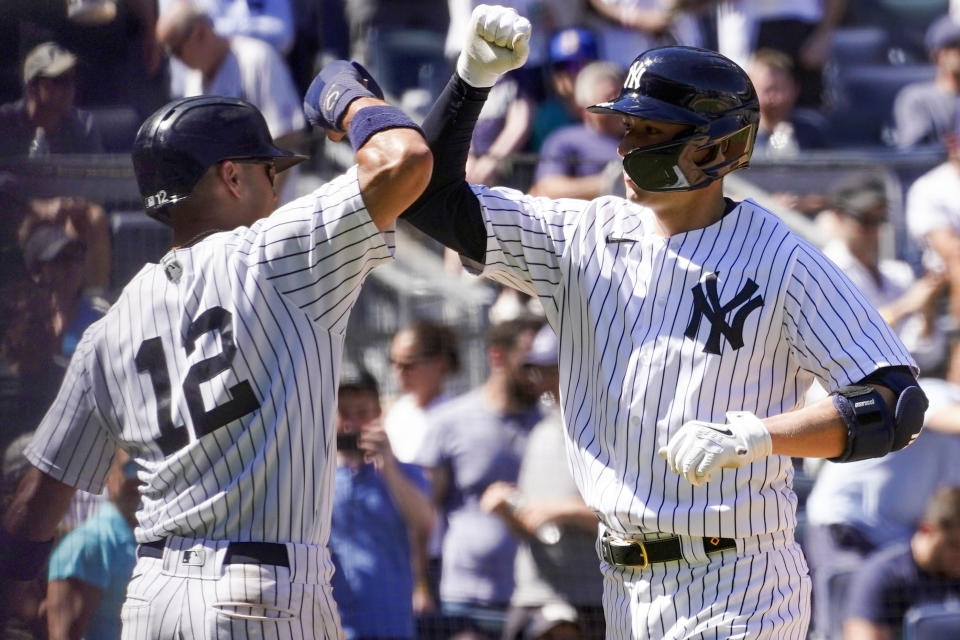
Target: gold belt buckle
<point x="646" y="558"/>
<point x="643" y="550"/>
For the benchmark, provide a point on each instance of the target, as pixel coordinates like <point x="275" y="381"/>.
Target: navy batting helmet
<point x="181" y="140"/>
<point x="695" y="87"/>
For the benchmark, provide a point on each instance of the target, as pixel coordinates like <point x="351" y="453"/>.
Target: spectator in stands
<point x="858" y="215"/>
<point x="626" y="27"/>
<point x="54" y="260"/>
<point x="571" y="49"/>
<point x="924" y="112"/>
<point x="45" y="120"/>
<point x="236" y="66"/>
<point x="802" y="29"/>
<point x="30" y="372"/>
<point x="380" y="507"/>
<point x="90" y="567"/>
<point x="20" y="601"/>
<point x="475" y="440"/>
<point x="924" y="570"/>
<point x="933" y="221"/>
<point x="502" y="129"/>
<point x="784" y="130"/>
<point x="81" y="219"/>
<point x="556" y="561"/>
<point x="424" y="355"/>
<point x="268" y="20"/>
<point x="581" y="161"/>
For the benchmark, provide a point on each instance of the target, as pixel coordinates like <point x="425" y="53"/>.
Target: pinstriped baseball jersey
<point x="654" y="332"/>
<point x="217" y="369"/>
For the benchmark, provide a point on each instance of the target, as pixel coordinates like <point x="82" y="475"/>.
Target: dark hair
<point x="504" y="335"/>
<point x="434" y="339"/>
<point x="943" y="508"/>
<point x="354" y="377"/>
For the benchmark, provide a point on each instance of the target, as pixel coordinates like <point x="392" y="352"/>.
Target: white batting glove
<point x="699" y="448"/>
<point x="498" y="40"/>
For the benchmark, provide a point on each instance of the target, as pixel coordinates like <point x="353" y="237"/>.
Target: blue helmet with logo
<point x="181" y="140"/>
<point x="695" y="87"/>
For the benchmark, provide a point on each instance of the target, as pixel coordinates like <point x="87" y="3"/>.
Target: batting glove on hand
<point x="498" y="40"/>
<point x="337" y="85"/>
<point x="699" y="448"/>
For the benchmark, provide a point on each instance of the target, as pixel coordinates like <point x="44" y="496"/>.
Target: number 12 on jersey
<point x="150" y="359"/>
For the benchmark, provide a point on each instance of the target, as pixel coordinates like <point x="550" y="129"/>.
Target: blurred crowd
<point x="455" y="514"/>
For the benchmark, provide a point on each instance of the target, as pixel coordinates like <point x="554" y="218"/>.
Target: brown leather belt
<point x="272" y="553"/>
<point x="641" y="553"/>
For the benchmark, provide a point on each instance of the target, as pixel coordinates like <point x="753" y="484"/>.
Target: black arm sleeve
<point x="448" y="211"/>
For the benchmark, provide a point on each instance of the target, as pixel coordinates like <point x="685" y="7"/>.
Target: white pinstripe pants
<point x="759" y="591"/>
<point x="230" y="601"/>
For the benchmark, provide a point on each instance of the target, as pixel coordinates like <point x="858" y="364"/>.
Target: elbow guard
<point x="872" y="431"/>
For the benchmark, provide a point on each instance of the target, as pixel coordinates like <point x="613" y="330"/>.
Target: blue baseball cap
<point x="943" y="33"/>
<point x="574" y="44"/>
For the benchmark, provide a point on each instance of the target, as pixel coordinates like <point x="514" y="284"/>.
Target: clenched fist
<point x="498" y="41"/>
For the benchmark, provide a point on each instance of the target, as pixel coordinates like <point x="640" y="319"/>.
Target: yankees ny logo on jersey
<point x="706" y="302"/>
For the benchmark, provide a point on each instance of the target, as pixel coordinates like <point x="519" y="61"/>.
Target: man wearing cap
<point x="216" y="369"/>
<point x="571" y="49"/>
<point x="580" y="160"/>
<point x="49" y="90"/>
<point x="923" y="111"/>
<point x="932" y="216"/>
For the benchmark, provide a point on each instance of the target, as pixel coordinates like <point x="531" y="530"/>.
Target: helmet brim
<point x="638" y="106"/>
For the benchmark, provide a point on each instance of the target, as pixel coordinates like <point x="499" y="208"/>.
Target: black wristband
<point x="371" y="120"/>
<point x="22" y="559"/>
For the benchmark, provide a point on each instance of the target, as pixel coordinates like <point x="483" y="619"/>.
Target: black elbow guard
<point x="872" y="432"/>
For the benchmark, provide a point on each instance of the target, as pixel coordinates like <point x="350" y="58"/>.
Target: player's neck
<point x="687" y="211"/>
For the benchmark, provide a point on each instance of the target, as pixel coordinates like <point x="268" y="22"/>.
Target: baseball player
<point x="217" y="368"/>
<point x="690" y="327"/>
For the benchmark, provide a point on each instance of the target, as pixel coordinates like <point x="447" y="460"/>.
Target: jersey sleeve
<point x="73" y="443"/>
<point x="319" y="249"/>
<point x="835" y="333"/>
<point x="526" y="238"/>
<point x="79" y="555"/>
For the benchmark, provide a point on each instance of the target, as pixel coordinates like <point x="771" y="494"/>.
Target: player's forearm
<point x="817" y="431"/>
<point x="393" y="166"/>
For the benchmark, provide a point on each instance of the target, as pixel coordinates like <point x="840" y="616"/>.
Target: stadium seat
<point x="404" y="59"/>
<point x="837" y="584"/>
<point x="859" y="45"/>
<point x="118" y="127"/>
<point x="860" y="99"/>
<point x="932" y="622"/>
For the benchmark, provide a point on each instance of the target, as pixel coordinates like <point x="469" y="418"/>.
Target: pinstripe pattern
<point x="619" y="297"/>
<point x="163" y="606"/>
<point x="654" y="332"/>
<point x="739" y="595"/>
<point x="234" y="343"/>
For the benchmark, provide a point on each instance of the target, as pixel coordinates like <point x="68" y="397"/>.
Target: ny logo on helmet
<point x="633" y="75"/>
<point x="706" y="303"/>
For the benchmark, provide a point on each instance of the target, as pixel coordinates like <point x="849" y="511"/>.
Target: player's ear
<point x="231" y="177"/>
